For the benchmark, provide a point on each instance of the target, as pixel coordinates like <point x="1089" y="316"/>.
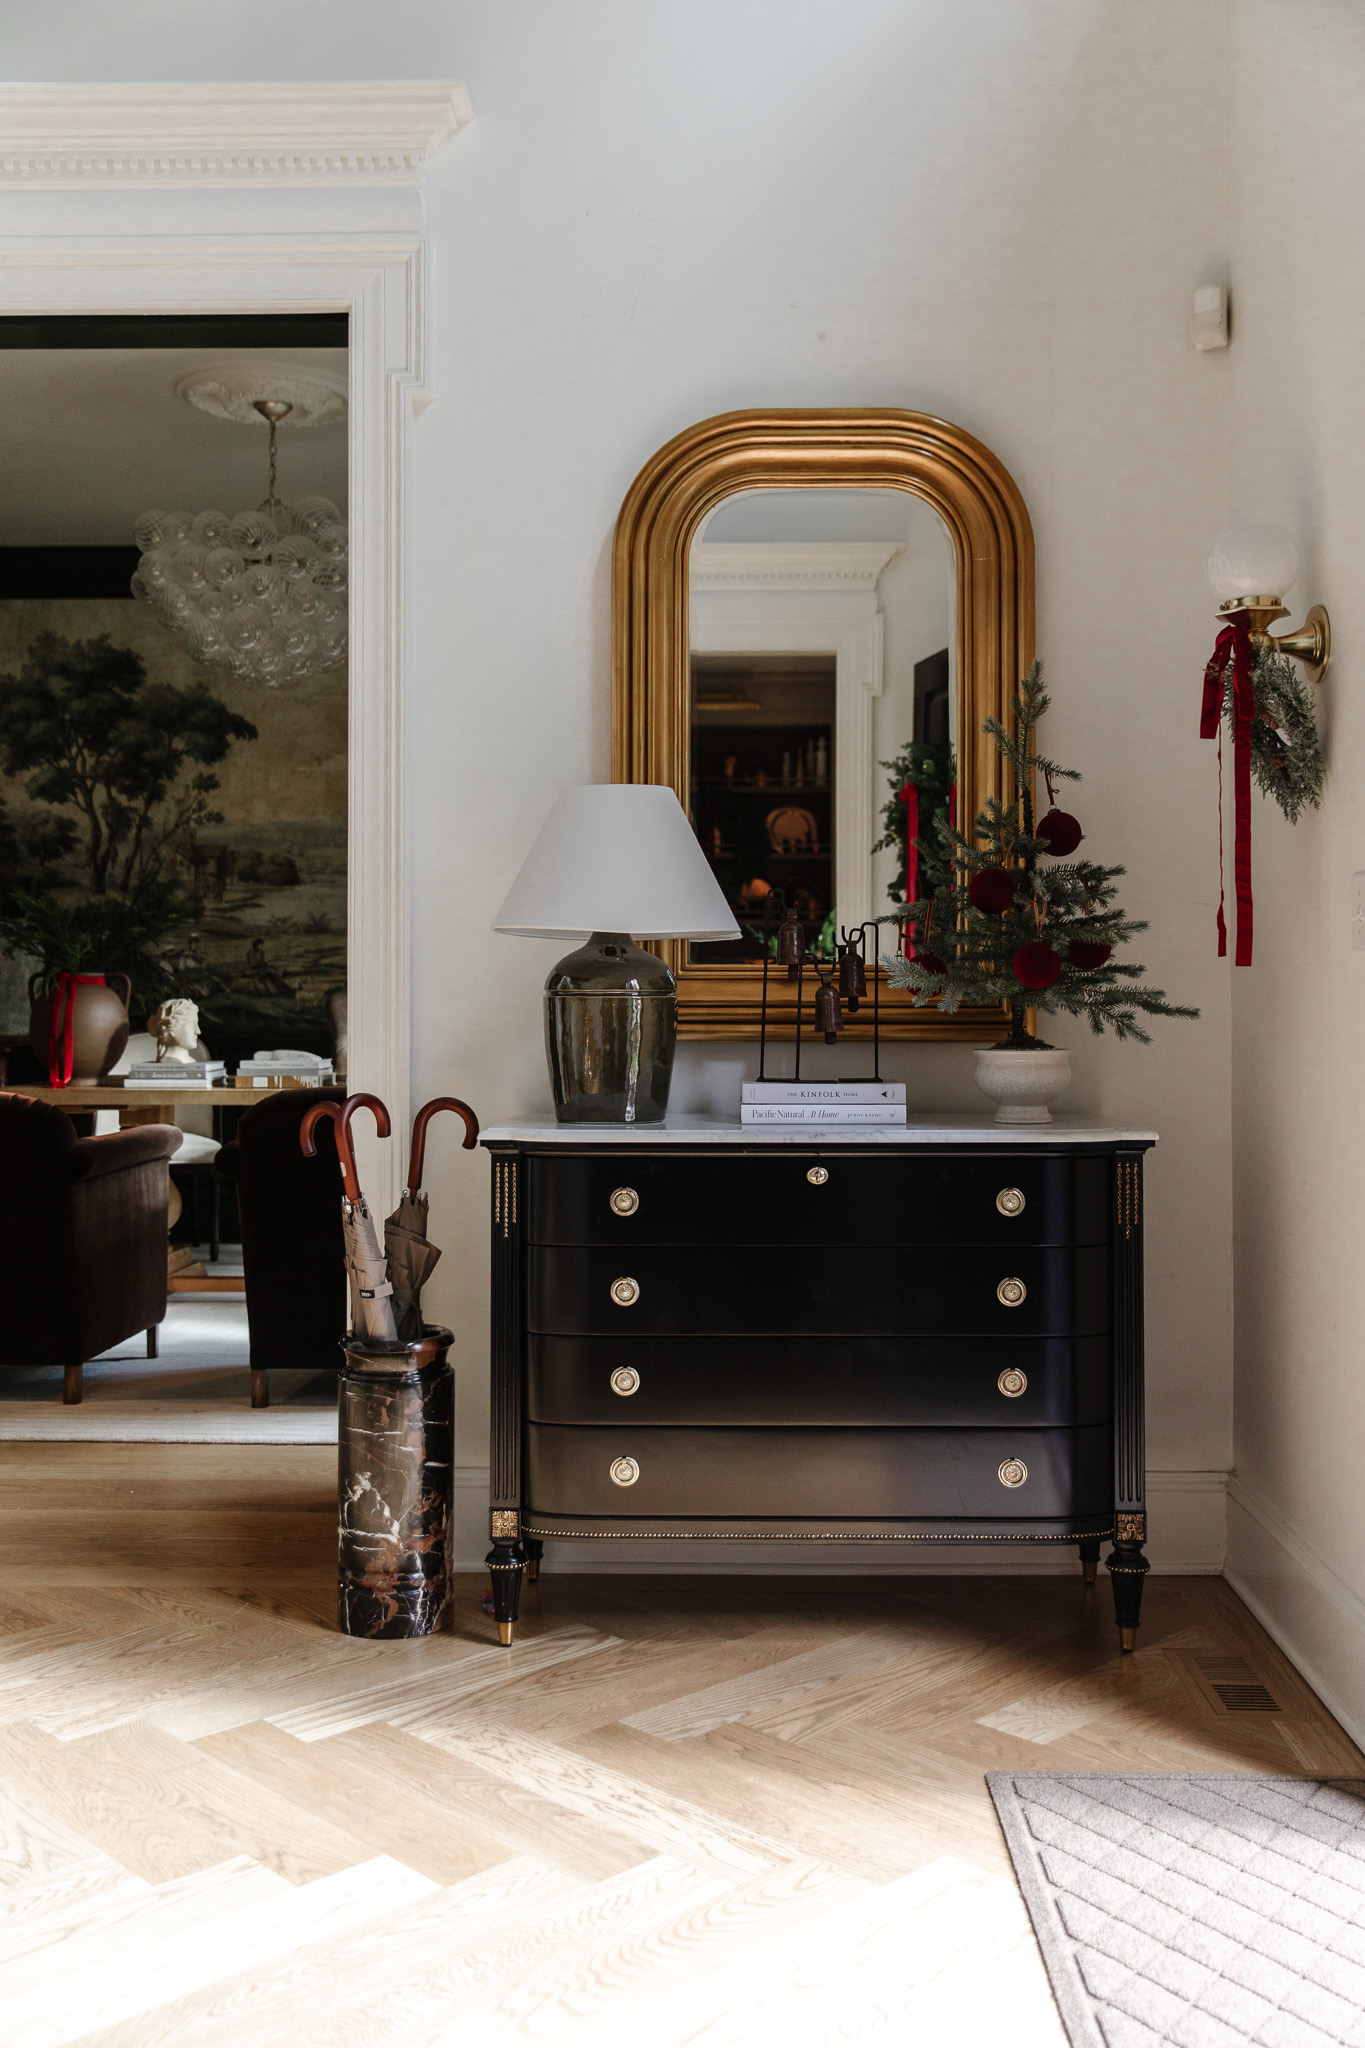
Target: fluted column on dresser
<point x="1126" y="1562"/>
<point x="507" y="1559"/>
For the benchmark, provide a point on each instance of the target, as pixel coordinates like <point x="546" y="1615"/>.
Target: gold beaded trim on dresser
<point x="624" y="1471"/>
<point x="1129" y="1191"/>
<point x="624" y="1201"/>
<point x="505" y="1194"/>
<point x="625" y="1292"/>
<point x="1012" y="1383"/>
<point x="1011" y="1293"/>
<point x="814" y="1536"/>
<point x="1010" y="1201"/>
<point x="625" y="1380"/>
<point x="817" y="1175"/>
<point x="1013" y="1472"/>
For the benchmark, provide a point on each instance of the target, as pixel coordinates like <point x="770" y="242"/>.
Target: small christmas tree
<point x="1008" y="917"/>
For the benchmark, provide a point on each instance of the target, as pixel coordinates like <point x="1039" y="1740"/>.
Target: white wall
<point x="994" y="210"/>
<point x="1297" y="170"/>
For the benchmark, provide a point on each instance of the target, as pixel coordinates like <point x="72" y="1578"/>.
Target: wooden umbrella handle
<point x="309" y="1145"/>
<point x="419" y="1133"/>
<point x="344" y="1146"/>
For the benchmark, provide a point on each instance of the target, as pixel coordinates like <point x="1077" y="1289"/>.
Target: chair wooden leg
<point x="152" y="1338"/>
<point x="216" y="1222"/>
<point x="260" y="1387"/>
<point x="73" y="1384"/>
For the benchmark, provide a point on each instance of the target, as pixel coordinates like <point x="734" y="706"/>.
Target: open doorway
<point x="173" y="734"/>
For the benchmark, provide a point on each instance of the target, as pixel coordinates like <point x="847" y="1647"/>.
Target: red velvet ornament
<point x="931" y="963"/>
<point x="1037" y="965"/>
<point x="992" y="889"/>
<point x="1087" y="953"/>
<point x="1061" y="831"/>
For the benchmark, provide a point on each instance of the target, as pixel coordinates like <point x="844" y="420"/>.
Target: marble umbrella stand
<point x="394" y="1475"/>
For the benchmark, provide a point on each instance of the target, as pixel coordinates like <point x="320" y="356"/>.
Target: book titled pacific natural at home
<point x="821" y="1113"/>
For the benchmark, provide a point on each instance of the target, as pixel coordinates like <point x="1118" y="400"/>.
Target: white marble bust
<point x="175" y="1027"/>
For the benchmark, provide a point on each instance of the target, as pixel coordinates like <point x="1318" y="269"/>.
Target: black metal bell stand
<point x="395" y="1428"/>
<point x="850" y="962"/>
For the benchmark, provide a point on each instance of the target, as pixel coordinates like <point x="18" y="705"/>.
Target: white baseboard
<point x="1186" y="1515"/>
<point x="1300" y="1600"/>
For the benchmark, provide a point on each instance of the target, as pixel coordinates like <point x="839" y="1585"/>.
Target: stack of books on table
<point x="822" y="1102"/>
<point x="285" y="1070"/>
<point x="163" y="1074"/>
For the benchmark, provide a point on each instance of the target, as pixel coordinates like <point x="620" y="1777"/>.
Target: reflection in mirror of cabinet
<point x="753" y="668"/>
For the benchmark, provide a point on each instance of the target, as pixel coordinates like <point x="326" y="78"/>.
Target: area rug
<point x="1204" y="1912"/>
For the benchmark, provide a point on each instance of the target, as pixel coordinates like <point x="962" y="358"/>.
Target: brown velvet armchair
<point x="83" y="1231"/>
<point x="293" y="1253"/>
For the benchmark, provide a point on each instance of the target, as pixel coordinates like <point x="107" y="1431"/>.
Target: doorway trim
<point x="379" y="279"/>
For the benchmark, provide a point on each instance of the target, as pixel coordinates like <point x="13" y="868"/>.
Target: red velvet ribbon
<point x="909" y="796"/>
<point x="61" y="1030"/>
<point x="1234" y="640"/>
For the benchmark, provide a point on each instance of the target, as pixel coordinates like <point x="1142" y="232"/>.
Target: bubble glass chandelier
<point x="262" y="594"/>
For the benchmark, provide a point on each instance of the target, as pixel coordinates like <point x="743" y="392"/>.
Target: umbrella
<point x="412" y="1256"/>
<point x="371" y="1306"/>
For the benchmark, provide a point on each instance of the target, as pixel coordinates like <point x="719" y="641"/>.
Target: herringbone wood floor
<point x="712" y="1812"/>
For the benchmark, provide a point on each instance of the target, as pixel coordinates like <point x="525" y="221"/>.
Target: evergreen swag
<point x="1004" y="919"/>
<point x="933" y="771"/>
<point x="1286" y="759"/>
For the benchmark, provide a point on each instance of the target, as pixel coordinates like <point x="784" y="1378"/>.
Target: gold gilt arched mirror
<point x="807" y="607"/>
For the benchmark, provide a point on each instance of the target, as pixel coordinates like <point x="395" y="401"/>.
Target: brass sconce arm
<point x="1312" y="644"/>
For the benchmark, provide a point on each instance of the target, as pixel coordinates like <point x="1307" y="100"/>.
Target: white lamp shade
<point x="1253" y="558"/>
<point x="616" y="857"/>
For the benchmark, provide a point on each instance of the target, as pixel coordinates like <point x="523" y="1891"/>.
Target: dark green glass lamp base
<point x="611" y="1029"/>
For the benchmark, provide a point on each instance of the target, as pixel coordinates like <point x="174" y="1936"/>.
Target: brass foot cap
<point x="533" y="1570"/>
<point x="1127" y="1639"/>
<point x="505" y="1634"/>
<point x="1090" y="1571"/>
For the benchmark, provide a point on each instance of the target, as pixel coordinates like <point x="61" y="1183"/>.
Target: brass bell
<point x="791" y="942"/>
<point x="852" y="977"/>
<point x="828" y="1016"/>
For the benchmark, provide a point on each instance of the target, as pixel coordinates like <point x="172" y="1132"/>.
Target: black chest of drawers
<point x="933" y="1338"/>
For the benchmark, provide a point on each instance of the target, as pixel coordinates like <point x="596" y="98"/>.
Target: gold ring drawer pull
<point x="1010" y="1293"/>
<point x="624" y="1201"/>
<point x="625" y="1380"/>
<point x="625" y="1292"/>
<point x="1013" y="1472"/>
<point x="817" y="1175"/>
<point x="625" y="1471"/>
<point x="1010" y="1201"/>
<point x="1012" y="1383"/>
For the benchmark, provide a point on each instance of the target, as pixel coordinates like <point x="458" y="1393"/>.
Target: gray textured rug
<point x="1203" y="1912"/>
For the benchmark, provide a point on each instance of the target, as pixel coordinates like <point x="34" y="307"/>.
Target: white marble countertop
<point x="941" y="1127"/>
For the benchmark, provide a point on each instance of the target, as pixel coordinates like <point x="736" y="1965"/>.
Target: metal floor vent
<point x="1246" y="1699"/>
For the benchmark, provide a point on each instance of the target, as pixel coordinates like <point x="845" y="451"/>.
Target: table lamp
<point x="614" y="862"/>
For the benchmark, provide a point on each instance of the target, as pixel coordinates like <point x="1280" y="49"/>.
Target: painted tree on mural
<point x="87" y="732"/>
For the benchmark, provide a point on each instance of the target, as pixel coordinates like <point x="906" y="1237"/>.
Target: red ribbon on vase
<point x="909" y="796"/>
<point x="61" y="1030"/>
<point x="1234" y="640"/>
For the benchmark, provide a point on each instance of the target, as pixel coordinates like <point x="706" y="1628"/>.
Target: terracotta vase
<point x="99" y="1027"/>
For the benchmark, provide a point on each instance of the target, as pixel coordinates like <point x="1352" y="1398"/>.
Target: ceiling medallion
<point x="262" y="594"/>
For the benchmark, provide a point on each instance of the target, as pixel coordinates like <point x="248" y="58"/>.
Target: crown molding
<point x="789" y="565"/>
<point x="64" y="135"/>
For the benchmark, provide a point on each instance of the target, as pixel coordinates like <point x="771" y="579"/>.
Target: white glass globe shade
<point x="1253" y="558"/>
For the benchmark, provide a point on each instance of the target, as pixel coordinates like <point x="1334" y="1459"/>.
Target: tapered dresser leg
<point x="506" y="1561"/>
<point x="1090" y="1557"/>
<point x="1127" y="1568"/>
<point x="73" y="1379"/>
<point x="535" y="1550"/>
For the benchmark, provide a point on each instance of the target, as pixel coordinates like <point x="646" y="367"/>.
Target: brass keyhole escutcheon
<point x="1013" y="1472"/>
<point x="1011" y="1293"/>
<point x="625" y="1292"/>
<point x="625" y="1380"/>
<point x="625" y="1471"/>
<point x="624" y="1201"/>
<point x="1012" y="1383"/>
<point x="1010" y="1201"/>
<point x="817" y="1175"/>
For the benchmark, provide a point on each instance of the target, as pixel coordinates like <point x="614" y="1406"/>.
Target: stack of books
<point x="285" y="1070"/>
<point x="822" y="1102"/>
<point x="164" y="1074"/>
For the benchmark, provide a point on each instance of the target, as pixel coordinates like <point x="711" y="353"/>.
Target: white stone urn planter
<point x="1022" y="1083"/>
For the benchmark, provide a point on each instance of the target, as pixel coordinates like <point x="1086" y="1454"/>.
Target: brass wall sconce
<point x="1251" y="565"/>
